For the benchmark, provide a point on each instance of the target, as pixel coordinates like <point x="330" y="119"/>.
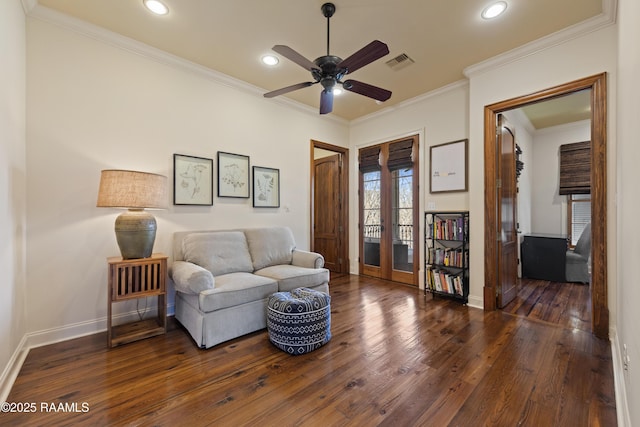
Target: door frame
<point x="344" y="192"/>
<point x="599" y="288"/>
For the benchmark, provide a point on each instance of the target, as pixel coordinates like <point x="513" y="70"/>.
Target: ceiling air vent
<point x="400" y="61"/>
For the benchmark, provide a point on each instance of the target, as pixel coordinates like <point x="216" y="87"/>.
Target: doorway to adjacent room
<point x="598" y="98"/>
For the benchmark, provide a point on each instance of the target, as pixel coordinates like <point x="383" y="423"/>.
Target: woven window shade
<point x="400" y="154"/>
<point x="575" y="168"/>
<point x="369" y="159"/>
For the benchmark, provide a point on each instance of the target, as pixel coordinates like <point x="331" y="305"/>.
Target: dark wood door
<point x="506" y="194"/>
<point x="327" y="227"/>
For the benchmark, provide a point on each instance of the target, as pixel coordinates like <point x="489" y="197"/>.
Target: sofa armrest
<point x="307" y="259"/>
<point x="190" y="278"/>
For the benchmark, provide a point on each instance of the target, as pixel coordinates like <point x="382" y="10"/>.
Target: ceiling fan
<point x="328" y="70"/>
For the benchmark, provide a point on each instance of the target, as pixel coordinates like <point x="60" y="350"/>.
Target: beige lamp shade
<point x="135" y="229"/>
<point x="132" y="189"/>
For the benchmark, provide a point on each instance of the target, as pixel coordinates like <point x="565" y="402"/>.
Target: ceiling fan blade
<point x="374" y="50"/>
<point x="294" y="56"/>
<point x="287" y="89"/>
<point x="365" y="89"/>
<point x="326" y="102"/>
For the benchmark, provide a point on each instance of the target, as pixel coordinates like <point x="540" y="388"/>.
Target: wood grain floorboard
<point x="565" y="304"/>
<point x="396" y="358"/>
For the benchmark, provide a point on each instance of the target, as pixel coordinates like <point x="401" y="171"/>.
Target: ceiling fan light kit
<point x="328" y="70"/>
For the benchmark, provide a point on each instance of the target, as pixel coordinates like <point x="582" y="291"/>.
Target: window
<point x="578" y="215"/>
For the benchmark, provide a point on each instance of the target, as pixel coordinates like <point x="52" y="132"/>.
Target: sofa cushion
<point x="290" y="276"/>
<point x="270" y="246"/>
<point x="220" y="252"/>
<point x="235" y="289"/>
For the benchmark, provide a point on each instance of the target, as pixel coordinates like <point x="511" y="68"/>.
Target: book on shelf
<point x="443" y="281"/>
<point x="449" y="257"/>
<point x="447" y="228"/>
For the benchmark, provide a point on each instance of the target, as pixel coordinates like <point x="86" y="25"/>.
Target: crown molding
<point x="411" y="101"/>
<point x="100" y="34"/>
<point x="28" y="5"/>
<point x="606" y="18"/>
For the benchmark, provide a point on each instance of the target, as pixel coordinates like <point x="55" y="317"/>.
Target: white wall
<point x="12" y="187"/>
<point x="437" y="118"/>
<point x="580" y="57"/>
<point x="628" y="154"/>
<point x="92" y="106"/>
<point x="549" y="209"/>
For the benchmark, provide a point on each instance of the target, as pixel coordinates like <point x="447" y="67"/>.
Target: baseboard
<point x="81" y="329"/>
<point x="54" y="335"/>
<point x="622" y="406"/>
<point x="475" y="302"/>
<point x="12" y="369"/>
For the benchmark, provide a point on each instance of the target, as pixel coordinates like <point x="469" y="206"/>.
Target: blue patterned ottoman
<point x="299" y="321"/>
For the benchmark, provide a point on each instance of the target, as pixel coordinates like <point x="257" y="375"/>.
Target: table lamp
<point x="135" y="191"/>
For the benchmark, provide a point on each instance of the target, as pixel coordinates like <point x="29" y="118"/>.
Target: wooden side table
<point x="137" y="278"/>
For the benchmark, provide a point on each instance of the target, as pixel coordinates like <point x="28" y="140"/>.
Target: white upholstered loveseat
<point x="224" y="278"/>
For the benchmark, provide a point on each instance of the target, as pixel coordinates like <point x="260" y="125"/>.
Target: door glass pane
<point x="372" y="230"/>
<point x="402" y="218"/>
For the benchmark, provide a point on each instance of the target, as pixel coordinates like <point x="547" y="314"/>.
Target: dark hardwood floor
<point x="396" y="358"/>
<point x="564" y="304"/>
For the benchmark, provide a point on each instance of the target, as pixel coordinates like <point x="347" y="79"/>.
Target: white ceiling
<point x="230" y="36"/>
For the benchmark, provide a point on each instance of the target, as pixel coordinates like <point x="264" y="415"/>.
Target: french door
<point x="388" y="223"/>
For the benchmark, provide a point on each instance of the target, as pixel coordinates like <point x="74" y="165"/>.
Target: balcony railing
<point x="403" y="232"/>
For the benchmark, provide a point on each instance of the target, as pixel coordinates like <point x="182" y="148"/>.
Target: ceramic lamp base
<point x="135" y="233"/>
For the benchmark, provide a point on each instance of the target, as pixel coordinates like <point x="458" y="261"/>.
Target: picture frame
<point x="192" y="180"/>
<point x="266" y="187"/>
<point x="448" y="167"/>
<point x="233" y="175"/>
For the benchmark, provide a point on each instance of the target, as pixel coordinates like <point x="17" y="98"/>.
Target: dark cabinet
<point x="544" y="257"/>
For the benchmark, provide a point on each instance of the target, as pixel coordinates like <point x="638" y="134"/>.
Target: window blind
<point x="580" y="216"/>
<point x="369" y="159"/>
<point x="575" y="168"/>
<point x="400" y="154"/>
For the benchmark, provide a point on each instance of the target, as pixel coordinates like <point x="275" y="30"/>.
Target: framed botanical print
<point x="233" y="175"/>
<point x="266" y="187"/>
<point x="192" y="180"/>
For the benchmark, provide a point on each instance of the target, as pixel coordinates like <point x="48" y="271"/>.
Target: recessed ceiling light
<point x="494" y="10"/>
<point x="156" y="7"/>
<point x="270" y="60"/>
